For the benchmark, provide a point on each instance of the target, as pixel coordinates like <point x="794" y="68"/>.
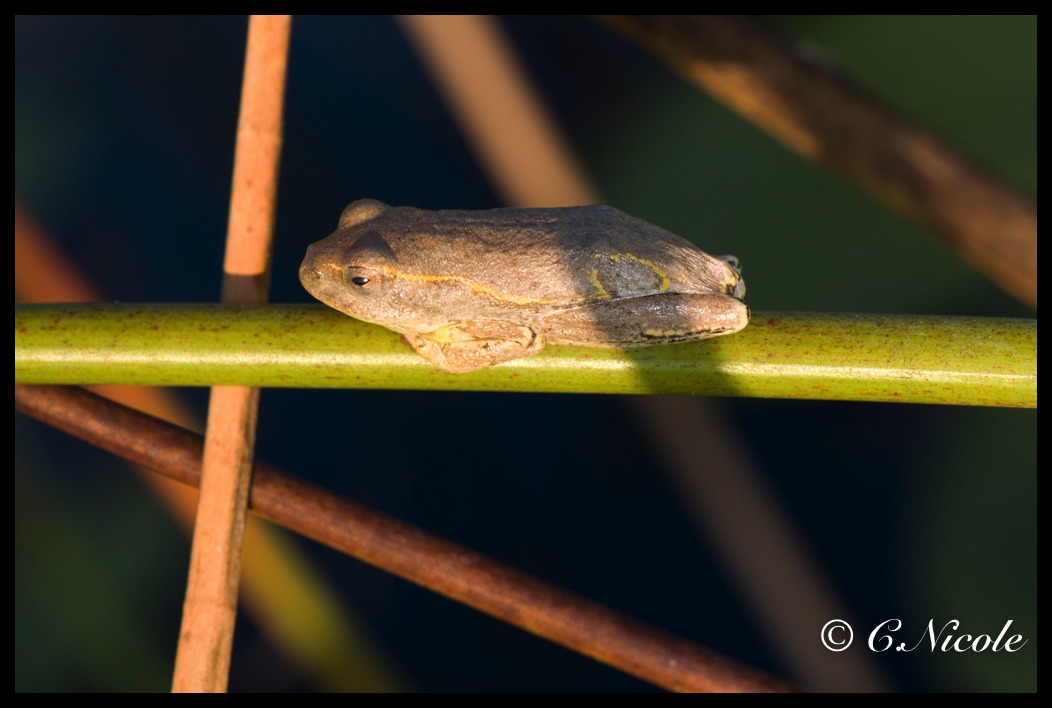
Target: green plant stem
<point x="916" y="359"/>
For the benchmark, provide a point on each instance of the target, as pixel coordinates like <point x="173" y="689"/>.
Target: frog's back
<point x="560" y="256"/>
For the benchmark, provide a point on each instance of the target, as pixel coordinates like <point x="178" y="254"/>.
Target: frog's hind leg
<point x="467" y="346"/>
<point x="643" y="321"/>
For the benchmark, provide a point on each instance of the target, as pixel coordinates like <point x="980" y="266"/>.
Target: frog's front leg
<point x="467" y="346"/>
<point x="663" y="318"/>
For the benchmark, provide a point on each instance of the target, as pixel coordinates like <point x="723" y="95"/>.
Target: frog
<point x="470" y="289"/>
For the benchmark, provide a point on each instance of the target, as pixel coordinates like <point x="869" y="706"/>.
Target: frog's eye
<point x="360" y="278"/>
<point x="732" y="261"/>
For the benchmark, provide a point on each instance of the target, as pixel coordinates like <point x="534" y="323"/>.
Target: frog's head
<point x="346" y="270"/>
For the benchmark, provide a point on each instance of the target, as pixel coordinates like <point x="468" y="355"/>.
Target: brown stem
<point x="202" y="660"/>
<point x="444" y="567"/>
<point x="822" y="116"/>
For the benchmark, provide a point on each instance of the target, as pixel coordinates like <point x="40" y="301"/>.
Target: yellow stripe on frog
<point x="477" y="287"/>
<point x="599" y="289"/>
<point x="600" y="292"/>
<point x="664" y="279"/>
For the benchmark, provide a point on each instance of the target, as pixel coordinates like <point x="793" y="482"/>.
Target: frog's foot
<point x="467" y="346"/>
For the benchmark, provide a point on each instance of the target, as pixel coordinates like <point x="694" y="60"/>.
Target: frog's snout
<point x="312" y="268"/>
<point x="308" y="273"/>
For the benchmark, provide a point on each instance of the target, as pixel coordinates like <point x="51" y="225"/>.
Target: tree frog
<point x="469" y="289"/>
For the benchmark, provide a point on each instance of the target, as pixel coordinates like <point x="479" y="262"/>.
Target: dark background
<point x="124" y="132"/>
